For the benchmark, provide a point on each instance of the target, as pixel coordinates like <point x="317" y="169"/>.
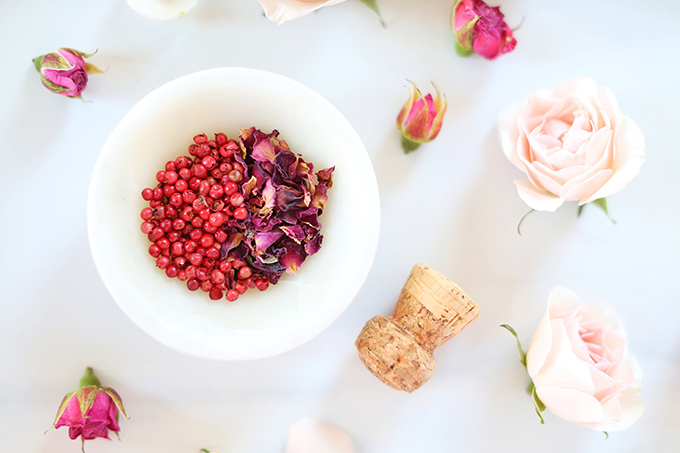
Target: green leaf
<point x="373" y="5"/>
<point x="522" y="220"/>
<point x="522" y="355"/>
<point x="538" y="405"/>
<point x="606" y="434"/>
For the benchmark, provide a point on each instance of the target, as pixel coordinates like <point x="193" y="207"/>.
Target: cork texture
<point x="393" y="355"/>
<point x="430" y="310"/>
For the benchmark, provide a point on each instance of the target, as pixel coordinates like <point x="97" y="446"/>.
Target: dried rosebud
<point x="420" y="119"/>
<point x="91" y="411"/>
<point x="64" y="71"/>
<point x="481" y="29"/>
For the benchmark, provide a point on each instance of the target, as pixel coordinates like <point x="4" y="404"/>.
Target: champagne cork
<point x="430" y="310"/>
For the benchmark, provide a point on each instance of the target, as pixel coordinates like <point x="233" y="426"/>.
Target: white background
<point x="451" y="204"/>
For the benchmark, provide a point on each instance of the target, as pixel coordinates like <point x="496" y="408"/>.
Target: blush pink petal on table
<point x="162" y="9"/>
<point x="580" y="364"/>
<point x="280" y="11"/>
<point x="573" y="143"/>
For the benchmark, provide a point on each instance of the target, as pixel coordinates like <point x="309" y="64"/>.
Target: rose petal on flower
<point x="571" y="405"/>
<point x="280" y="11"/>
<point x="309" y="436"/>
<point x="630" y="155"/>
<point x="162" y="9"/>
<point x="540" y="200"/>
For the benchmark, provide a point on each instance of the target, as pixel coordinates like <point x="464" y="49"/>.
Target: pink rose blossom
<point x="91" y="411"/>
<point x="481" y="28"/>
<point x="420" y="119"/>
<point x="573" y="143"/>
<point x="580" y="365"/>
<point x="64" y="71"/>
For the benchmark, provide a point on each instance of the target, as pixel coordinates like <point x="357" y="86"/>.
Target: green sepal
<point x="79" y="53"/>
<point x="606" y="435"/>
<point x="538" y="405"/>
<point x="462" y="51"/>
<point x="90" y="379"/>
<point x="63" y="406"/>
<point x="600" y="203"/>
<point x="116" y="399"/>
<point x="92" y="69"/>
<point x="86" y="397"/>
<point x="205" y="450"/>
<point x="522" y="220"/>
<point x="465" y="34"/>
<point x="531" y="389"/>
<point x="522" y="354"/>
<point x="55" y="60"/>
<point x="53" y="87"/>
<point x="373" y="5"/>
<point x="408" y="145"/>
<point x="37" y="62"/>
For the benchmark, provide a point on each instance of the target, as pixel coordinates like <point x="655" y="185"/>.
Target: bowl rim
<point x="258" y="352"/>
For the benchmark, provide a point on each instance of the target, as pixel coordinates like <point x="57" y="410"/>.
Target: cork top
<point x="430" y="310"/>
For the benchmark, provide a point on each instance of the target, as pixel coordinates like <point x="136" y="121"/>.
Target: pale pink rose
<point x="573" y="144"/>
<point x="280" y="11"/>
<point x="580" y="364"/>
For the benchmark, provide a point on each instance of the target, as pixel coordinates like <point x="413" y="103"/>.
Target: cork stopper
<point x="430" y="310"/>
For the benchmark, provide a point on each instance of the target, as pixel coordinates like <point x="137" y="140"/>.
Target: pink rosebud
<point x="481" y="29"/>
<point x="420" y="119"/>
<point x="64" y="71"/>
<point x="91" y="411"/>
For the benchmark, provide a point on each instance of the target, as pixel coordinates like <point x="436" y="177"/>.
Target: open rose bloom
<point x="580" y="365"/>
<point x="280" y="11"/>
<point x="573" y="143"/>
<point x="91" y="411"/>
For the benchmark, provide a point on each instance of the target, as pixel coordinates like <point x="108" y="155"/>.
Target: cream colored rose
<point x="280" y="11"/>
<point x="581" y="366"/>
<point x="573" y="144"/>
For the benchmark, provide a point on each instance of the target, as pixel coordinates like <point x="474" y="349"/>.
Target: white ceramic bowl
<point x="160" y="128"/>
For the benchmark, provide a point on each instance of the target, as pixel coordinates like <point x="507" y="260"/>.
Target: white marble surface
<point x="451" y="204"/>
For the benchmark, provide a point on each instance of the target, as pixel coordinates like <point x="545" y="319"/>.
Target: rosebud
<point x="420" y="119"/>
<point x="91" y="411"/>
<point x="64" y="71"/>
<point x="481" y="29"/>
